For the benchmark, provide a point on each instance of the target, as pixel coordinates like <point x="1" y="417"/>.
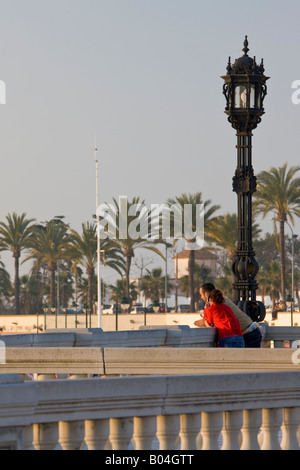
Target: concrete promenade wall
<point x="34" y="323"/>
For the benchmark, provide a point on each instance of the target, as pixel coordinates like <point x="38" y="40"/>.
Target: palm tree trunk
<point x="282" y="262"/>
<point x="90" y="274"/>
<point x="191" y="268"/>
<point x="127" y="273"/>
<point x="52" y="285"/>
<point x="17" y="285"/>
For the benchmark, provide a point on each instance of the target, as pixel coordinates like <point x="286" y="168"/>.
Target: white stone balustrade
<point x="204" y="412"/>
<point x="78" y="363"/>
<point x="234" y="404"/>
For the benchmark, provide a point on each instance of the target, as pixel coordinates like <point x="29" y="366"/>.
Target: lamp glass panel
<point x="240" y="98"/>
<point x="259" y="100"/>
<point x="252" y="96"/>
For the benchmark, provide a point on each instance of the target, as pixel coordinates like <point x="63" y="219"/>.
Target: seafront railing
<point x="154" y="336"/>
<point x="246" y="411"/>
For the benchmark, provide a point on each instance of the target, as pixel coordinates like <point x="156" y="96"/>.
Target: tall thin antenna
<point x="99" y="300"/>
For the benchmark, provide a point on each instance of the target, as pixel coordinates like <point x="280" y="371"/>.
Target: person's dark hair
<point x="216" y="296"/>
<point x="208" y="287"/>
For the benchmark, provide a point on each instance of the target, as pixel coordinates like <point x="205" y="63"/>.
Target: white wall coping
<point x="147" y="361"/>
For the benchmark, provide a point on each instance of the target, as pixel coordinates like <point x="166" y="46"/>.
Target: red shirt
<point x="221" y="316"/>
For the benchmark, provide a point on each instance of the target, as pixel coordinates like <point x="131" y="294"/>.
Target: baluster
<point x="79" y="376"/>
<point x="28" y="437"/>
<point x="96" y="433"/>
<point x="41" y="377"/>
<point x="45" y="436"/>
<point x="190" y="425"/>
<point x="250" y="430"/>
<point x="168" y="427"/>
<point x="271" y="422"/>
<point x="210" y="429"/>
<point x="120" y="433"/>
<point x="290" y="425"/>
<point x="144" y="432"/>
<point x="71" y="435"/>
<point x="232" y="423"/>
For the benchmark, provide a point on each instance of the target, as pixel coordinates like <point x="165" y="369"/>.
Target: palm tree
<point x="83" y="250"/>
<point x="120" y="290"/>
<point x="30" y="294"/>
<point x="6" y="288"/>
<point x="278" y="192"/>
<point x="16" y="235"/>
<point x="128" y="245"/>
<point x="267" y="248"/>
<point x="209" y="211"/>
<point x="49" y="246"/>
<point x="224" y="281"/>
<point x="270" y="279"/>
<point x="153" y="284"/>
<point x="201" y="275"/>
<point x="66" y="285"/>
<point x="222" y="232"/>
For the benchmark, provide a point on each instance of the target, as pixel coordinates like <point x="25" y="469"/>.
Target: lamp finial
<point x="245" y="50"/>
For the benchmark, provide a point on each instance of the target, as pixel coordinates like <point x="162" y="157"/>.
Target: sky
<point x="143" y="76"/>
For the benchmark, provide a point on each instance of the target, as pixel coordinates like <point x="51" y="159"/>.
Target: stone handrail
<point x="85" y="362"/>
<point x="280" y="335"/>
<point x="240" y="411"/>
<point x="154" y="336"/>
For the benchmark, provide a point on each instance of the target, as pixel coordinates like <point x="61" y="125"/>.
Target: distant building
<point x="181" y="261"/>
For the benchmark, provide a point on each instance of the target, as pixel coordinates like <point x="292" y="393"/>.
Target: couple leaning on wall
<point x="235" y="328"/>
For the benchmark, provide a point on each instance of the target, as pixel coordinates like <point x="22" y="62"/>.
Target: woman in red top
<point x="221" y="316"/>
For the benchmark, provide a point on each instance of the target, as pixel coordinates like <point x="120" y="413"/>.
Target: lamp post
<point x="74" y="307"/>
<point x="65" y="308"/>
<point x="99" y="305"/>
<point x="294" y="236"/>
<point x="125" y="304"/>
<point x="54" y="310"/>
<point x="245" y="89"/>
<point x="45" y="310"/>
<point x="85" y="307"/>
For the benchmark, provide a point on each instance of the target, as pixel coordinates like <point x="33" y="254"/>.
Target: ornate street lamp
<point x="65" y="308"/>
<point x="74" y="307"/>
<point x="156" y="306"/>
<point x="125" y="304"/>
<point x="245" y="89"/>
<point x="45" y="310"/>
